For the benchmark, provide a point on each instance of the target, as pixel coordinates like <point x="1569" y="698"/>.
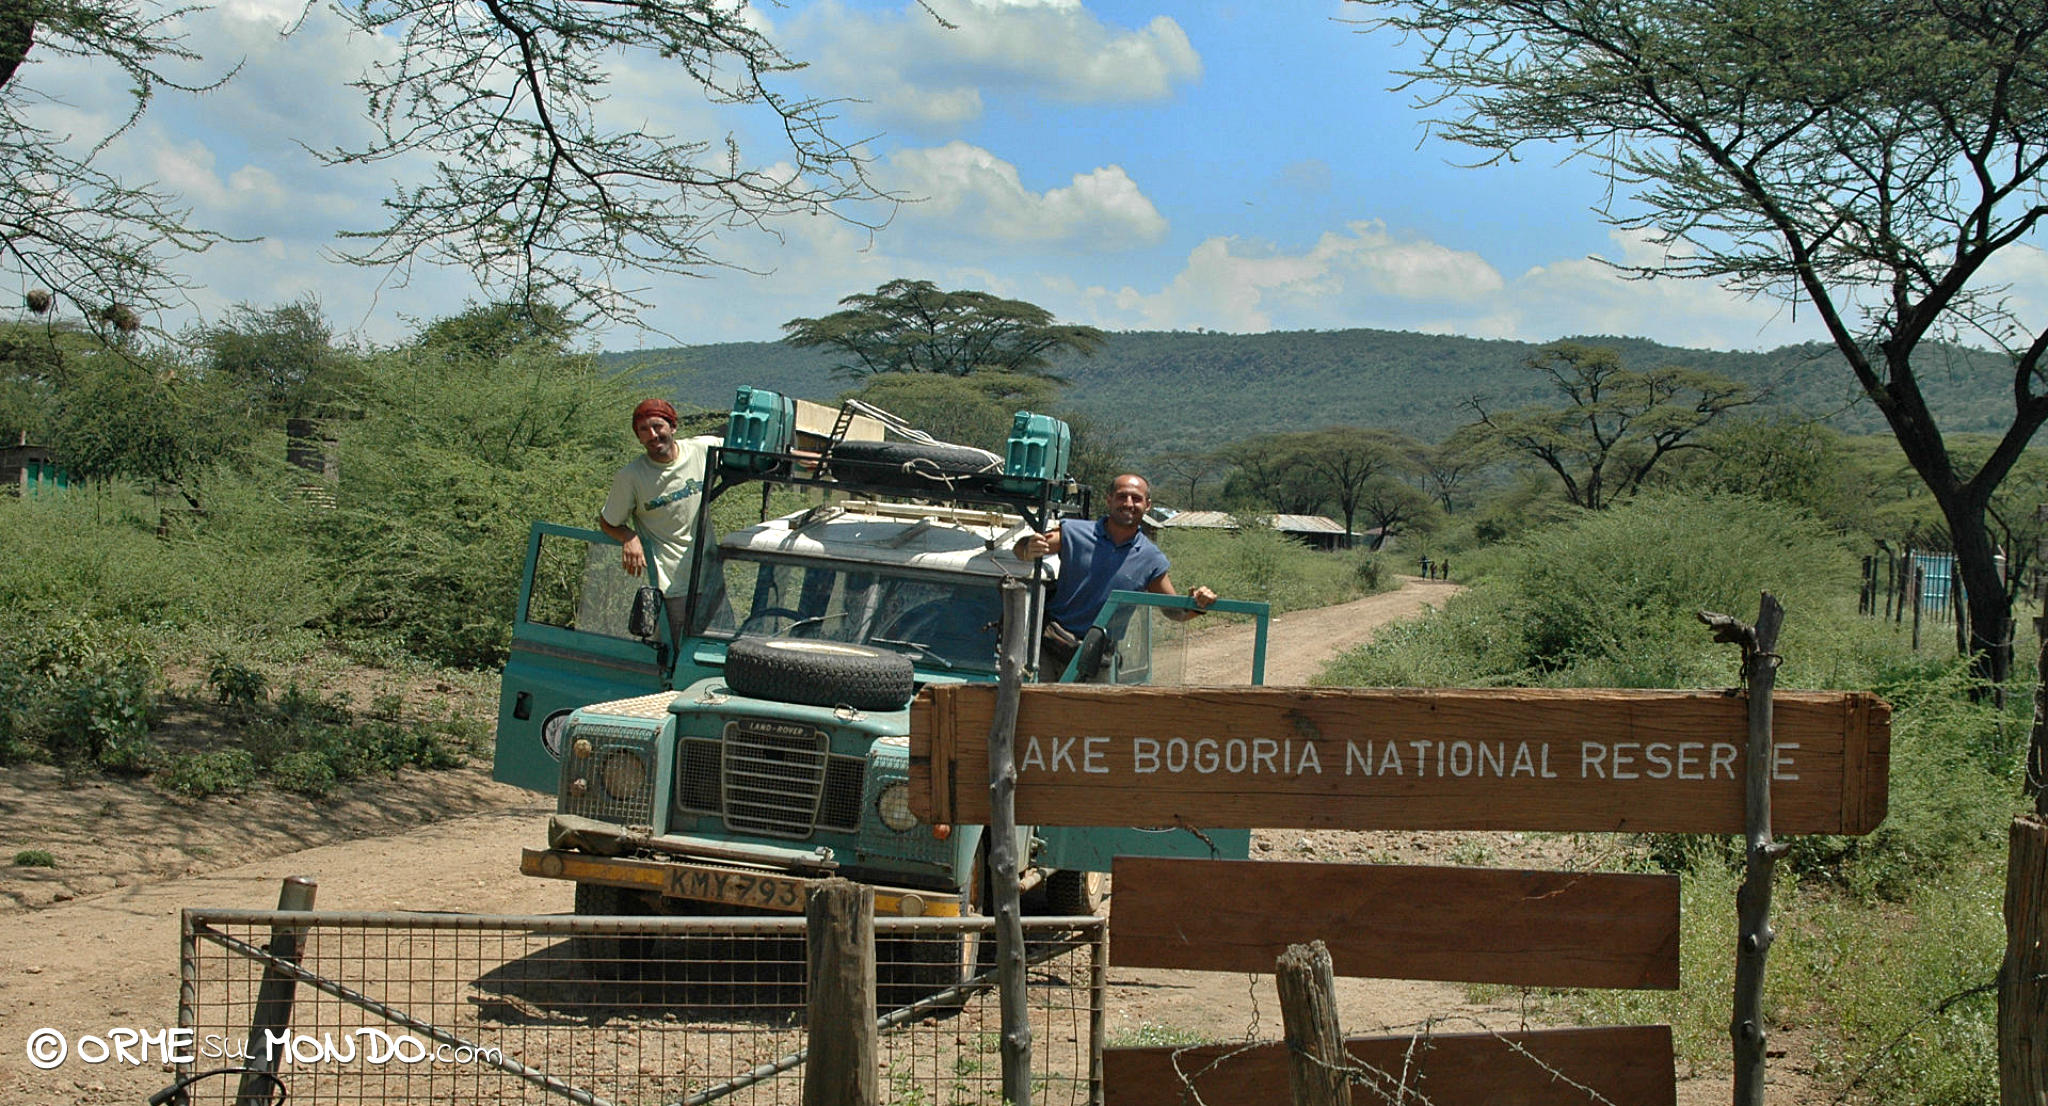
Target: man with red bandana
<point x="652" y="509"/>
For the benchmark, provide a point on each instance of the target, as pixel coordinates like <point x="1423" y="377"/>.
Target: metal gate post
<point x="274" y="998"/>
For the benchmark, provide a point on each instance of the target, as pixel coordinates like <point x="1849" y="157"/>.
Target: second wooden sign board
<point x="1471" y="759"/>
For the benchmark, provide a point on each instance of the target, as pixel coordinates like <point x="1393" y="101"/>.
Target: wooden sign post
<point x="1459" y="759"/>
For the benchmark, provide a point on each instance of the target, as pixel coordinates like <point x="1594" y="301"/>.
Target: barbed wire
<point x="1391" y="1087"/>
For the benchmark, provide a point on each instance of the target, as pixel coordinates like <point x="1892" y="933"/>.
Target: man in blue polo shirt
<point x="1109" y="554"/>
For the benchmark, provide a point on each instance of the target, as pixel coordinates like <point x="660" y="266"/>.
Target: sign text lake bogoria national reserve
<point x="1531" y="759"/>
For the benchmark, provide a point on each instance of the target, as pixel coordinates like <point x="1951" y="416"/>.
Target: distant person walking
<point x="652" y="509"/>
<point x="1109" y="554"/>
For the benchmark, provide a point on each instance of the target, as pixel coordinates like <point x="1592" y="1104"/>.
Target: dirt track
<point x="108" y="956"/>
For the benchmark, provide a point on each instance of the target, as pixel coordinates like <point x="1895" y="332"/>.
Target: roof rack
<point x="775" y="439"/>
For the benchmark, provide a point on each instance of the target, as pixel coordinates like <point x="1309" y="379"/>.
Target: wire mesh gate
<point x="400" y="1007"/>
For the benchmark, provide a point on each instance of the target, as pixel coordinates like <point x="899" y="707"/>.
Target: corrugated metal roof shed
<point x="1306" y="524"/>
<point x="1286" y="524"/>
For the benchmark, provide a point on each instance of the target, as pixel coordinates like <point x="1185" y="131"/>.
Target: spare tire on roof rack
<point x="914" y="464"/>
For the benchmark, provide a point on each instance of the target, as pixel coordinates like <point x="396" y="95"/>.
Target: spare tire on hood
<point x="819" y="673"/>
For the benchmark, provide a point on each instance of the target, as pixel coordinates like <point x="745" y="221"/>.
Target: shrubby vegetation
<point x="1265" y="566"/>
<point x="187" y="542"/>
<point x="1878" y="932"/>
<point x="1610" y="599"/>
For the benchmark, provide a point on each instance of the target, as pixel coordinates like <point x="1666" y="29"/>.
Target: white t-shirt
<point x="661" y="502"/>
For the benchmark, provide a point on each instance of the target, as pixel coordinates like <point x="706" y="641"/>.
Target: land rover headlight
<point x="624" y="775"/>
<point x="894" y="806"/>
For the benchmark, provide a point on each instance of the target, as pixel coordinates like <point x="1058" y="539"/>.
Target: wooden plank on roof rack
<point x="1375" y="758"/>
<point x="1627" y="1065"/>
<point x="1467" y="925"/>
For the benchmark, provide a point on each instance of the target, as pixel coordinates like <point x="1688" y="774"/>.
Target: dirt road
<point x="97" y="957"/>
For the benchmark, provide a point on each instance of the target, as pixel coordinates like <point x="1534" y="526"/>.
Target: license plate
<point x="736" y="888"/>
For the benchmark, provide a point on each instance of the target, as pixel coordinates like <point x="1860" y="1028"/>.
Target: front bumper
<point x="731" y="884"/>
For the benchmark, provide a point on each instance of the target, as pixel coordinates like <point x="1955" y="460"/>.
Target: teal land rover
<point x="725" y="765"/>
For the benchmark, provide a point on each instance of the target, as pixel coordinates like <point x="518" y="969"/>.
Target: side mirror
<point x="1093" y="651"/>
<point x="645" y="621"/>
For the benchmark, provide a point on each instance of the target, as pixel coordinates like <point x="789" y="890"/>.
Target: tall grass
<point x="248" y="567"/>
<point x="1263" y="565"/>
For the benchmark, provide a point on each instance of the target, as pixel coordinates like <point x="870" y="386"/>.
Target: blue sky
<point x="1236" y="166"/>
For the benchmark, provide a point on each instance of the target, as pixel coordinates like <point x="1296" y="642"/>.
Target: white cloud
<point x="1366" y="276"/>
<point x="1589" y="296"/>
<point x="966" y="190"/>
<point x="1237" y="284"/>
<point x="906" y="65"/>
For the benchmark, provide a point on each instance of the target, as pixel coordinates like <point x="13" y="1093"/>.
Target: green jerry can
<point x="1038" y="452"/>
<point x="759" y="431"/>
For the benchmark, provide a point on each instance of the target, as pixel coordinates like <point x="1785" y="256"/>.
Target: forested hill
<point x="1178" y="390"/>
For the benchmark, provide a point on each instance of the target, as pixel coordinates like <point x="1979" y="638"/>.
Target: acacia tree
<point x="1187" y="470"/>
<point x="533" y="190"/>
<point x="1298" y="471"/>
<point x="910" y="326"/>
<point x="281" y="360"/>
<point x="1873" y="161"/>
<point x="1449" y="465"/>
<point x="69" y="228"/>
<point x="1270" y="473"/>
<point x="1351" y="460"/>
<point x="1616" y="424"/>
<point x="1395" y="507"/>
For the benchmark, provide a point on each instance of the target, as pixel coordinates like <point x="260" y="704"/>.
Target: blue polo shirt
<point x="1092" y="565"/>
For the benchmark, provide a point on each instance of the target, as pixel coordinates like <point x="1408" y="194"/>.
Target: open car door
<point x="1131" y="642"/>
<point x="573" y="644"/>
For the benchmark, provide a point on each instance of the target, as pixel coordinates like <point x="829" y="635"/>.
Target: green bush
<point x="79" y="692"/>
<point x="242" y="571"/>
<point x="1952" y="794"/>
<point x="304" y="772"/>
<point x="428" y="533"/>
<point x="221" y="771"/>
<point x="35" y="858"/>
<point x="311" y="743"/>
<point x="236" y="686"/>
<point x="1611" y="599"/>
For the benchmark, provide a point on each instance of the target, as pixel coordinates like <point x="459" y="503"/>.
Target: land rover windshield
<point x="924" y="587"/>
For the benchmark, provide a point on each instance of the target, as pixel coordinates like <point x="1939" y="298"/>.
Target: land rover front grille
<point x="764" y="778"/>
<point x="774" y="776"/>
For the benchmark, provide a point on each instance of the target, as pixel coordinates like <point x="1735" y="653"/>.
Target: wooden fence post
<point x="839" y="953"/>
<point x="1316" y="1059"/>
<point x="1891" y="584"/>
<point x="1753" y="899"/>
<point x="1917" y="590"/>
<point x="1003" y="861"/>
<point x="2037" y="743"/>
<point x="2023" y="981"/>
<point x="274" y="999"/>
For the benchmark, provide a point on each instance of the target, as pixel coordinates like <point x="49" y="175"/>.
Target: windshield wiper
<point x="923" y="651"/>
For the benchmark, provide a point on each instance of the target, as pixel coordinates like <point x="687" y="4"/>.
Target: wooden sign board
<point x="1627" y="1066"/>
<point x="1467" y="925"/>
<point x="1409" y="759"/>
